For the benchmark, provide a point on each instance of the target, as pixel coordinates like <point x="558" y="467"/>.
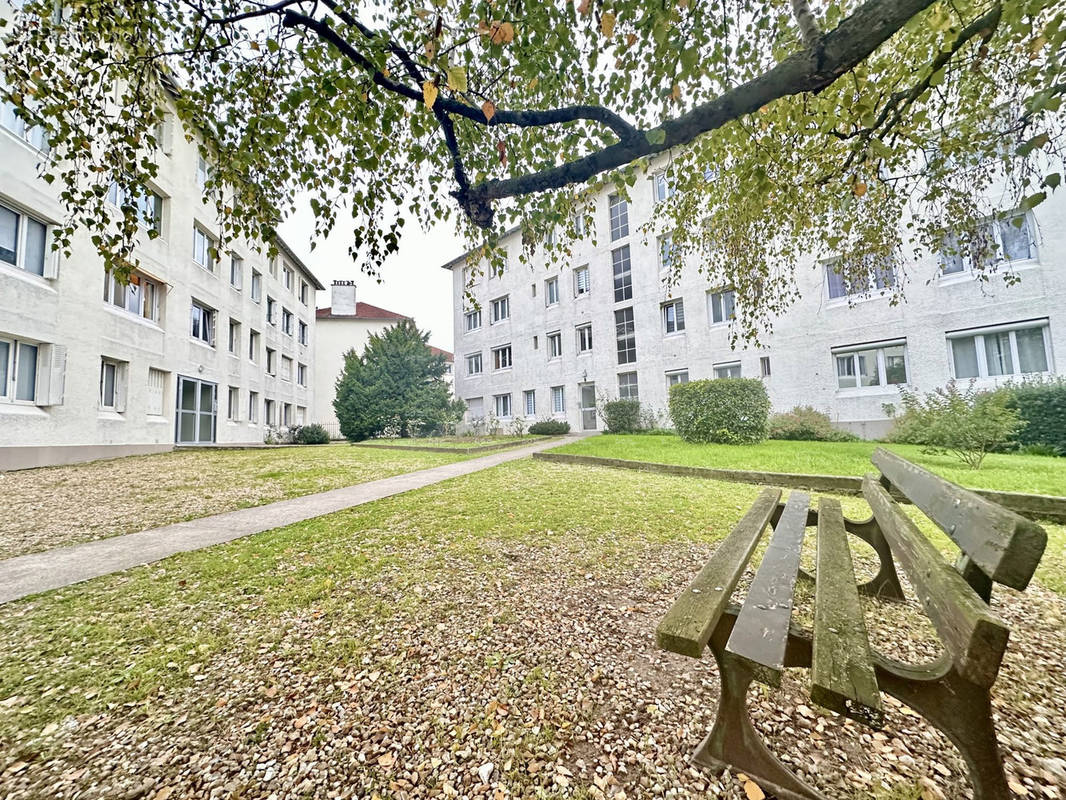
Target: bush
<point x="311" y="434"/>
<point x="725" y="410"/>
<point x="549" y="427"/>
<point x="966" y="424"/>
<point x="621" y="416"/>
<point x="807" y="424"/>
<point x="1041" y="407"/>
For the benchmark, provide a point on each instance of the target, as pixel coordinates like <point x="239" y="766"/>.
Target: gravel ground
<point x="531" y="672"/>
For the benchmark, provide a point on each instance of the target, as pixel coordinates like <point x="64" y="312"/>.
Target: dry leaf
<point x="488" y="108"/>
<point x="387" y="760"/>
<point x="1018" y="789"/>
<point x="299" y="723"/>
<point x="752" y="790"/>
<point x="858" y="189"/>
<point x="584" y="7"/>
<point x="607" y="24"/>
<point x="271" y="691"/>
<point x="429" y="93"/>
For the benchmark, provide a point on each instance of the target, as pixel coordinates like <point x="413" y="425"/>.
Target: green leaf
<point x="655" y="136"/>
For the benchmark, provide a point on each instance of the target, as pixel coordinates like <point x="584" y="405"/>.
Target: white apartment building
<point x="549" y="341"/>
<point x="196" y="350"/>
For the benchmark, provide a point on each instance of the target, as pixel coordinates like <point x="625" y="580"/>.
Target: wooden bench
<point x="758" y="640"/>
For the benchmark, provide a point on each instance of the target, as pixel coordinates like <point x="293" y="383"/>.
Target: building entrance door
<point x="196" y="411"/>
<point x="588" y="406"/>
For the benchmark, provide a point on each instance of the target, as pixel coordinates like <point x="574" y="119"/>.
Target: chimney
<point x="342" y="300"/>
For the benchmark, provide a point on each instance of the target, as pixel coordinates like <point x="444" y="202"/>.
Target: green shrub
<point x="807" y="424"/>
<point x="621" y="416"/>
<point x="966" y="424"/>
<point x="725" y="410"/>
<point x="312" y="434"/>
<point x="549" y="427"/>
<point x="1041" y="406"/>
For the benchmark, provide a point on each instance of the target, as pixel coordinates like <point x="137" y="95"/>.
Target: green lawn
<point x="455" y="442"/>
<point x="1008" y="473"/>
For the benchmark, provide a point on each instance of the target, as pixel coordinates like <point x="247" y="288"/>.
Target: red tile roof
<point x="438" y="352"/>
<point x="362" y="311"/>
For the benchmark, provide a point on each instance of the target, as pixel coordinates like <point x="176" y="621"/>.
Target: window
<point x="625" y="334"/>
<point x="203" y="248"/>
<point x="257" y="286"/>
<point x="674" y="316"/>
<point x="581" y="281"/>
<point x="558" y="400"/>
<point x="203" y="172"/>
<point x="272" y="310"/>
<point x="529" y="397"/>
<point x="627" y="386"/>
<point x="301" y="415"/>
<point x="501" y="309"/>
<point x="533" y="289"/>
<point x="536" y="342"/>
<point x="876" y="277"/>
<point x="286" y="414"/>
<point x="731" y="370"/>
<point x="273" y="266"/>
<point x="157" y="382"/>
<point x="234" y="336"/>
<point x="1012" y="350"/>
<point x="203" y="323"/>
<point x="674" y="377"/>
<point x="253" y="406"/>
<point x="269" y="411"/>
<point x="666" y="251"/>
<point x="764" y="366"/>
<point x="473" y="364"/>
<point x="233" y="406"/>
<point x="551" y="291"/>
<point x="139" y="297"/>
<point x="112" y="385"/>
<point x="286" y="321"/>
<point x="871" y="365"/>
<point x="22" y="241"/>
<point x="301" y="329"/>
<point x="147" y="205"/>
<point x="502" y="403"/>
<point x="722" y="306"/>
<point x="623" y="274"/>
<point x="9" y="119"/>
<point x="473" y="319"/>
<point x="288" y="277"/>
<point x="272" y="362"/>
<point x="286" y="368"/>
<point x="304" y="292"/>
<point x="584" y="338"/>
<point x="618" y="211"/>
<point x="301" y="374"/>
<point x="579" y="223"/>
<point x="555" y="345"/>
<point x="253" y="347"/>
<point x="18" y="370"/>
<point x="994" y="241"/>
<point x="236" y="271"/>
<point x="663" y="187"/>
<point x="501" y="357"/>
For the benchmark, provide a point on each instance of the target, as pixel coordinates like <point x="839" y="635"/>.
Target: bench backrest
<point x="1003" y="545"/>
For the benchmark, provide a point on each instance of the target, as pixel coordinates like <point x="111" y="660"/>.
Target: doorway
<point x="196" y="411"/>
<point x="588" y="406"/>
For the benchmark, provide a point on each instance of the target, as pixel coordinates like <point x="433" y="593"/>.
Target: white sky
<point x="412" y="282"/>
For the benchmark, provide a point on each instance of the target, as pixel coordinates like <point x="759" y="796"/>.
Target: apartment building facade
<point x="552" y="340"/>
<point x="205" y="345"/>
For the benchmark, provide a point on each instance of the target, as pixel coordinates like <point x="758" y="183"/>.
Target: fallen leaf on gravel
<point x="1018" y="789"/>
<point x="752" y="790"/>
<point x="387" y="760"/>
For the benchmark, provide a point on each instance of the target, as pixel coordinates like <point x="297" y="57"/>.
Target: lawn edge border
<point x="1032" y="506"/>
<point x="488" y="448"/>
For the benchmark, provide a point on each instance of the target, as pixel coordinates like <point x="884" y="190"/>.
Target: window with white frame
<point x="233" y="404"/>
<point x="623" y="274"/>
<point x="140" y="296"/>
<point x="473" y="319"/>
<point x="18" y="370"/>
<point x="473" y="364"/>
<point x="305" y="291"/>
<point x="529" y="397"/>
<point x="270" y="412"/>
<point x="236" y="271"/>
<point x="584" y="338"/>
<point x="721" y="306"/>
<point x="1022" y="348"/>
<point x="996" y="240"/>
<point x="625" y="335"/>
<point x="578" y="218"/>
<point x="582" y="285"/>
<point x="676" y="376"/>
<point x="203" y="248"/>
<point x="618" y="214"/>
<point x="234" y="336"/>
<point x="871" y="365"/>
<point x="272" y="266"/>
<point x="253" y="346"/>
<point x="301" y="374"/>
<point x="502" y="405"/>
<point x="272" y="310"/>
<point x="112" y="385"/>
<point x="202" y="320"/>
<point x="627" y="386"/>
<point x="730" y="370"/>
<point x="666" y="251"/>
<point x="663" y="187"/>
<point x="555" y="344"/>
<point x="257" y="286"/>
<point x="301" y="415"/>
<point x="271" y="361"/>
<point x="558" y="400"/>
<point x="157" y="387"/>
<point x="23" y="241"/>
<point x="203" y="172"/>
<point x="764" y="366"/>
<point x="253" y="406"/>
<point x="146" y="204"/>
<point x="501" y="308"/>
<point x="286" y="368"/>
<point x="286" y="414"/>
<point x="501" y="357"/>
<point x="302" y="330"/>
<point x="288" y="277"/>
<point x="35" y="135"/>
<point x="673" y="316"/>
<point x="551" y="291"/>
<point x="874" y="278"/>
<point x="286" y="321"/>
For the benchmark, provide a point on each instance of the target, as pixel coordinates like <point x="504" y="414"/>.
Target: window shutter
<point x="120" y="387"/>
<point x="680" y="307"/>
<point x="51" y="374"/>
<point x="51" y="258"/>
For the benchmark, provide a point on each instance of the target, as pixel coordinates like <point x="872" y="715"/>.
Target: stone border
<point x="486" y="448"/>
<point x="1033" y="506"/>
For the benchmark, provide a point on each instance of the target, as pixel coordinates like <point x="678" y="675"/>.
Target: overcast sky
<point x="412" y="281"/>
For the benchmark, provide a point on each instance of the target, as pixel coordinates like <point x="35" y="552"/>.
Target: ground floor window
<point x="871" y="365"/>
<point x="18" y="370"/>
<point x="764" y="366"/>
<point x="558" y="400"/>
<point x="674" y="377"/>
<point x="233" y="406"/>
<point x="530" y="396"/>
<point x="112" y="385"/>
<point x="502" y="405"/>
<point x="730" y="370"/>
<point x="157" y="380"/>
<point x="253" y="406"/>
<point x="196" y="411"/>
<point x="1021" y="349"/>
<point x="627" y="386"/>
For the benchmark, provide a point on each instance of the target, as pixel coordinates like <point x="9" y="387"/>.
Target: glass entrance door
<point x="588" y="406"/>
<point x="196" y="411"/>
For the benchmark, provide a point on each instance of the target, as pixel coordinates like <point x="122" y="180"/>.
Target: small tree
<point x="396" y="386"/>
<point x="968" y="424"/>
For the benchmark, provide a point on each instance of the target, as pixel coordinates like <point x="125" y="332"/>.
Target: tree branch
<point x="808" y="26"/>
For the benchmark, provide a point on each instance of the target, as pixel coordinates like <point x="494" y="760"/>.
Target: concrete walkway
<point x="63" y="566"/>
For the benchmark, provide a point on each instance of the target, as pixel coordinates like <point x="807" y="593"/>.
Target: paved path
<point x="62" y="566"/>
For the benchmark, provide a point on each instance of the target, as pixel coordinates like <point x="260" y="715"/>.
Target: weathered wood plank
<point x="974" y="636"/>
<point x="688" y="624"/>
<point x="1004" y="545"/>
<point x="761" y="631"/>
<point x="842" y="670"/>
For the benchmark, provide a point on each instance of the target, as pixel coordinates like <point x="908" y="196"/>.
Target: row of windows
<point x="502" y="406"/>
<point x="274" y="413"/>
<point x="202" y="328"/>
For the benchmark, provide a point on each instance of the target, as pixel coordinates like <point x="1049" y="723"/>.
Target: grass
<point x="454" y="442"/>
<point x="1003" y="472"/>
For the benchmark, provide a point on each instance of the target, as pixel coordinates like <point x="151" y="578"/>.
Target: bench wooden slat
<point x="974" y="636"/>
<point x="760" y="634"/>
<point x="842" y="670"/>
<point x="689" y="623"/>
<point x="1004" y="545"/>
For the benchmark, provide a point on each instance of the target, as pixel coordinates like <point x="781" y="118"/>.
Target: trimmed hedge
<point x="723" y="410"/>
<point x="1042" y="409"/>
<point x="622" y="416"/>
<point x="312" y="434"/>
<point x="549" y="427"/>
<point x="807" y="424"/>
